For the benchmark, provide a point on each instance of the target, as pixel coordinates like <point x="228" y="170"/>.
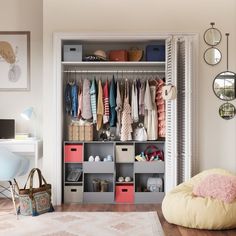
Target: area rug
<point x="83" y="224"/>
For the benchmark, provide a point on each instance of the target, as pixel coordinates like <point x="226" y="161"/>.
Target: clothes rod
<point x="113" y="71"/>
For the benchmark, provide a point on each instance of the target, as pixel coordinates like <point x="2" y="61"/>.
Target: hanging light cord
<point x="227" y="51"/>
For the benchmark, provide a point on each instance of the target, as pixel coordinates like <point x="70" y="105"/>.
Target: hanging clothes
<point x="134" y="103"/>
<point x="100" y="108"/>
<point x="93" y="97"/>
<point x="126" y="120"/>
<point x="150" y="118"/>
<point x="74" y="100"/>
<point x="112" y="102"/>
<point x="86" y="112"/>
<point x="118" y="108"/>
<point x="80" y="99"/>
<point x="68" y="98"/>
<point x="141" y="98"/>
<point x="106" y="103"/>
<point x="160" y="103"/>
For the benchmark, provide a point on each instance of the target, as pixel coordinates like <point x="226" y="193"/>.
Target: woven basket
<point x="135" y="54"/>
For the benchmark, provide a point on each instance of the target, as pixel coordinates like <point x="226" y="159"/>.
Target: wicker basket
<point x="78" y="132"/>
<point x="135" y="54"/>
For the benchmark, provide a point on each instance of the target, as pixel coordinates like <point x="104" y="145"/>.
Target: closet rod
<point x="114" y="71"/>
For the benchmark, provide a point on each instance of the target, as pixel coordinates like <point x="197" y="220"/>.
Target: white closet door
<point x="171" y="120"/>
<point x="179" y="112"/>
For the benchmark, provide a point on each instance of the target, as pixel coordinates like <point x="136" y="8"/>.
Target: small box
<point x="72" y="53"/>
<point x="155" y="53"/>
<point x="125" y="193"/>
<point x="73" y="194"/>
<point x="124" y="153"/>
<point x="73" y="152"/>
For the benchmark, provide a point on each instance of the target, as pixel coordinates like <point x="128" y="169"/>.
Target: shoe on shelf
<point x="97" y="158"/>
<point x="127" y="179"/>
<point x="121" y="179"/>
<point x="91" y="159"/>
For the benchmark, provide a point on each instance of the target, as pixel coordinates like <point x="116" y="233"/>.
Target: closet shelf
<point x="112" y="63"/>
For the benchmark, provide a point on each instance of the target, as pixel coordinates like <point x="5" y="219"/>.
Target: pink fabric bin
<point x="73" y="153"/>
<point x="125" y="194"/>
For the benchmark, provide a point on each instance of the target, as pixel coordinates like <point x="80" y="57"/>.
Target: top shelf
<point x="114" y="63"/>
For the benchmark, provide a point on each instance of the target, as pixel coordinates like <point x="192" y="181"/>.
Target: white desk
<point x="28" y="147"/>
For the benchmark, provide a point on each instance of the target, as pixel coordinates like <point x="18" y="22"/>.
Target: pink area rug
<point x="83" y="224"/>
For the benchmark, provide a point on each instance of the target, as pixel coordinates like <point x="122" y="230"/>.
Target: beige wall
<point x="24" y="15"/>
<point x="216" y="136"/>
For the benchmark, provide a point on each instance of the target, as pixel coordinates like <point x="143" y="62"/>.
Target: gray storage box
<point x="124" y="153"/>
<point x="72" y="53"/>
<point x="73" y="194"/>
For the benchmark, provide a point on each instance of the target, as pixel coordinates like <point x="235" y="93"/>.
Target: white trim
<point x="58" y="37"/>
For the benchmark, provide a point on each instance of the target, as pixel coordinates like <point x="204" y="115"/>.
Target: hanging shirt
<point x="112" y="103"/>
<point x="118" y="108"/>
<point x="80" y="100"/>
<point x="141" y="98"/>
<point x="93" y="97"/>
<point x="106" y="103"/>
<point x="86" y="112"/>
<point x="134" y="103"/>
<point x="68" y="98"/>
<point x="74" y="99"/>
<point x="100" y="108"/>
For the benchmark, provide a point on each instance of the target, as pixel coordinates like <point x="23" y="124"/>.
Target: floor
<point x="169" y="229"/>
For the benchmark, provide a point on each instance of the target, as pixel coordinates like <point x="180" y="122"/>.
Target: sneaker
<point x="121" y="179"/>
<point x="127" y="179"/>
<point x="97" y="158"/>
<point x="91" y="159"/>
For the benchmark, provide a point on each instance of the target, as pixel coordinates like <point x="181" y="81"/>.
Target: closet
<point x="83" y="179"/>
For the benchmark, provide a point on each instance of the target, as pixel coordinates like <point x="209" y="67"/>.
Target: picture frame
<point x="14" y="60"/>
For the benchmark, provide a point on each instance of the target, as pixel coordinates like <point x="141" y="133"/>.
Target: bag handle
<point x="152" y="148"/>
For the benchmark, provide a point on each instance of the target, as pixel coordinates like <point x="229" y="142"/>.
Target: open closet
<point x="111" y="116"/>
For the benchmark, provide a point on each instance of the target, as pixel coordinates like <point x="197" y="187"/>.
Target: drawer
<point x="73" y="152"/>
<point x="124" y="153"/>
<point x="125" y="194"/>
<point x="149" y="197"/>
<point x="149" y="167"/>
<point x="98" y="167"/>
<point x="73" y="194"/>
<point x="24" y="148"/>
<point x="98" y="197"/>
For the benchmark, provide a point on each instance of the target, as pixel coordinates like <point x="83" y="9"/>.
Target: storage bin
<point x="73" y="194"/>
<point x="78" y="132"/>
<point x="72" y="52"/>
<point x="124" y="194"/>
<point x="155" y="53"/>
<point x="124" y="153"/>
<point x="73" y="152"/>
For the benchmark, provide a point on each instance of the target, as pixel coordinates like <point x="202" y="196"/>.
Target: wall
<point x="216" y="136"/>
<point x="24" y="15"/>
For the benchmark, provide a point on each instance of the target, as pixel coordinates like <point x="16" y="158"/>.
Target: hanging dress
<point x="80" y="99"/>
<point x="74" y="100"/>
<point x="106" y="103"/>
<point x="93" y="97"/>
<point x="126" y="120"/>
<point x="68" y="98"/>
<point x="112" y="103"/>
<point x="134" y="103"/>
<point x="86" y="112"/>
<point x="141" y="98"/>
<point x="100" y="108"/>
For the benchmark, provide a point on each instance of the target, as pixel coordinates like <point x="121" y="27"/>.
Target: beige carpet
<point x="83" y="224"/>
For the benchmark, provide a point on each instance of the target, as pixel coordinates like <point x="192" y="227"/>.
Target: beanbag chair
<point x="182" y="207"/>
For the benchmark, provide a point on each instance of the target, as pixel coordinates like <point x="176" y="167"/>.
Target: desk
<point x="28" y="147"/>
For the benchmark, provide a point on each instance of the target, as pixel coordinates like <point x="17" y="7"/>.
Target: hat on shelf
<point x="98" y="55"/>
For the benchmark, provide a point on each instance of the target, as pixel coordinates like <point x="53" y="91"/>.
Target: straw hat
<point x="101" y="54"/>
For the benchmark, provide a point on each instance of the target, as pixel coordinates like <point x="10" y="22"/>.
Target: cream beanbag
<point x="181" y="207"/>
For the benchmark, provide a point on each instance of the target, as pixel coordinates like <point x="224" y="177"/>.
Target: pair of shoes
<point x="126" y="179"/>
<point x="91" y="159"/>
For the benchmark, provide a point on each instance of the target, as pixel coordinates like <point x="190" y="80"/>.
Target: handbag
<point x="140" y="133"/>
<point x="153" y="153"/>
<point x="118" y="55"/>
<point x="169" y="92"/>
<point x="35" y="201"/>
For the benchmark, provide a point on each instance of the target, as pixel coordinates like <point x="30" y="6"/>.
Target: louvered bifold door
<point x="171" y="120"/>
<point x="184" y="109"/>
